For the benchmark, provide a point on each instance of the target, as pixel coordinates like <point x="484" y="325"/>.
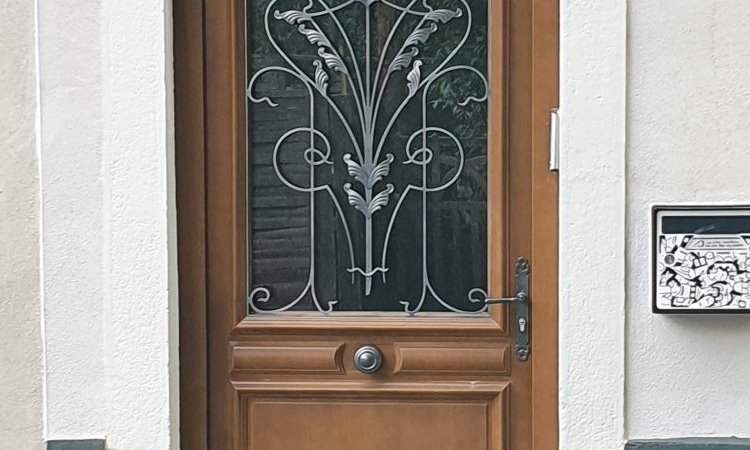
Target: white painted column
<point x="70" y="55"/>
<point x="109" y="239"/>
<point x="140" y="302"/>
<point x="592" y="224"/>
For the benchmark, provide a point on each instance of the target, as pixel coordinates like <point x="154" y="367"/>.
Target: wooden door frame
<point x="537" y="49"/>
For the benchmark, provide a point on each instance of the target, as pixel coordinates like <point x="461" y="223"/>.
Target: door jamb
<point x="545" y="212"/>
<point x="189" y="117"/>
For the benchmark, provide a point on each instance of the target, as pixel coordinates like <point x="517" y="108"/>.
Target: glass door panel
<point x="367" y="155"/>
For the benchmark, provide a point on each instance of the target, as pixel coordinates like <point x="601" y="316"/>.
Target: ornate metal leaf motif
<point x="421" y="35"/>
<point x="292" y="16"/>
<point x="321" y="77"/>
<point x="404" y="59"/>
<point x="414" y="77"/>
<point x="368" y="176"/>
<point x="381" y="199"/>
<point x="359" y="124"/>
<point x="380" y="171"/>
<point x="333" y="61"/>
<point x="355" y="170"/>
<point x="325" y="49"/>
<point x="443" y="15"/>
<point x="371" y="207"/>
<point x="314" y="36"/>
<point x="356" y="200"/>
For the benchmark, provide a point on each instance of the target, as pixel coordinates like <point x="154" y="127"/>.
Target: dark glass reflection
<point x="373" y="194"/>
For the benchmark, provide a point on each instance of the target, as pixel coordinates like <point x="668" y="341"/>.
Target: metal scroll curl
<point x="368" y="191"/>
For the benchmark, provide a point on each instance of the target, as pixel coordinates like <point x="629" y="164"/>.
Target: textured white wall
<point x="73" y="226"/>
<point x="20" y="327"/>
<point x="689" y="141"/>
<point x="108" y="224"/>
<point x="592" y="224"/>
<point x="140" y="307"/>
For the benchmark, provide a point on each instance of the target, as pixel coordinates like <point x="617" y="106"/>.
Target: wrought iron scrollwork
<point x="368" y="190"/>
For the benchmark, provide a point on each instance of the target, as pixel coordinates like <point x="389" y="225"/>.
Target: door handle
<point x="368" y="359"/>
<point x="522" y="304"/>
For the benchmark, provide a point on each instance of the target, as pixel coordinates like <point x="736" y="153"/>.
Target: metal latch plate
<point x="522" y="304"/>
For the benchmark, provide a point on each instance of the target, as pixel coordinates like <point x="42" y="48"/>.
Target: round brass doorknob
<point x="368" y="359"/>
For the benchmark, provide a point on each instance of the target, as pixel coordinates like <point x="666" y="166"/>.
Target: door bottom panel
<point x="373" y="416"/>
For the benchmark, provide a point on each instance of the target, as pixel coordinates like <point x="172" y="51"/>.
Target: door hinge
<point x="522" y="303"/>
<point x="554" y="140"/>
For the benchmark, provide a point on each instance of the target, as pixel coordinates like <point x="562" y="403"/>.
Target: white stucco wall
<point x="688" y="141"/>
<point x="140" y="308"/>
<point x="592" y="224"/>
<point x="108" y="228"/>
<point x="21" y="360"/>
<point x="73" y="225"/>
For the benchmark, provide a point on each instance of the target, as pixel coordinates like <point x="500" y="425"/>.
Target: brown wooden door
<point x="330" y="200"/>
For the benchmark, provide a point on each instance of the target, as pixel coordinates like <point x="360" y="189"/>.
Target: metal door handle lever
<point x="520" y="297"/>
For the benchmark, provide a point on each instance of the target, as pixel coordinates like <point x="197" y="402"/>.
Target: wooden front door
<point x="355" y="178"/>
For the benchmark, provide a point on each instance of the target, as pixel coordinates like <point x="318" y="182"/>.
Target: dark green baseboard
<point x="87" y="444"/>
<point x="690" y="444"/>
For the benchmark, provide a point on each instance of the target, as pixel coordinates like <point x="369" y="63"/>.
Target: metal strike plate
<point x="522" y="304"/>
<point x="554" y="140"/>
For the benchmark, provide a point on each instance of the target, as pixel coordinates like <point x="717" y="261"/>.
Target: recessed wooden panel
<point x="421" y="359"/>
<point x="323" y="358"/>
<point x="375" y="421"/>
<point x="368" y="425"/>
